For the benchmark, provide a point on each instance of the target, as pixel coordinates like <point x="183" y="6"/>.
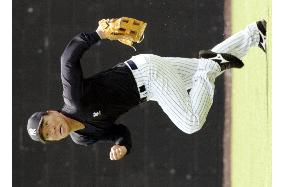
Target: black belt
<point x="142" y="88"/>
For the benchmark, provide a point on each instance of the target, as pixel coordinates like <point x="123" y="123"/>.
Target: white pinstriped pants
<point x="167" y="80"/>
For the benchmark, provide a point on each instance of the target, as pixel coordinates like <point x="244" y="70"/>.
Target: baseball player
<point x="92" y="105"/>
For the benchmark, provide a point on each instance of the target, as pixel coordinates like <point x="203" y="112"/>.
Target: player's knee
<point x="192" y="130"/>
<point x="192" y="127"/>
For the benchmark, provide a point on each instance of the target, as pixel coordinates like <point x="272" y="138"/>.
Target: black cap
<point x="33" y="126"/>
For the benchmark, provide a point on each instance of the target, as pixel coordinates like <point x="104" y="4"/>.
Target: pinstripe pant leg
<point x="187" y="112"/>
<point x="202" y="92"/>
<point x="186" y="68"/>
<point x="239" y="43"/>
<point x="168" y="89"/>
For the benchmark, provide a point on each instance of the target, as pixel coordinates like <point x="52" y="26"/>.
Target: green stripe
<point x="251" y="103"/>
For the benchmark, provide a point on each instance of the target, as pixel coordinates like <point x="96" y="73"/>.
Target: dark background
<point x="162" y="155"/>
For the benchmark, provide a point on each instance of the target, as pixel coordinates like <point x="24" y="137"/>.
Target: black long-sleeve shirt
<point x="99" y="100"/>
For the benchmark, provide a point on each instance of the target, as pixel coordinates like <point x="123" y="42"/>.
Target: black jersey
<point x="99" y="100"/>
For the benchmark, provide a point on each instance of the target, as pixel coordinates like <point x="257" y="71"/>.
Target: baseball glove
<point x="125" y="30"/>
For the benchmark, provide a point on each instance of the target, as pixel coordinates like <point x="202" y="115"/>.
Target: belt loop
<point x="132" y="65"/>
<point x="142" y="88"/>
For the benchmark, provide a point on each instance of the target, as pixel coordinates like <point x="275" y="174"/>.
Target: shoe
<point x="261" y="26"/>
<point x="225" y="61"/>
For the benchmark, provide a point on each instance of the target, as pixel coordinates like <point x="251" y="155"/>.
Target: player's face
<point x="54" y="127"/>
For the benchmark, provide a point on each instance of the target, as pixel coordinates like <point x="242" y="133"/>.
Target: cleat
<point x="225" y="61"/>
<point x="261" y="26"/>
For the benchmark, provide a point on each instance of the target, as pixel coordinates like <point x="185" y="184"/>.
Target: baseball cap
<point x="33" y="126"/>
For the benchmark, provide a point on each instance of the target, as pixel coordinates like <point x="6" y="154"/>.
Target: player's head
<point x="47" y="126"/>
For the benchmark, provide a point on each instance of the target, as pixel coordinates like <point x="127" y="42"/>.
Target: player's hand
<point x="101" y="30"/>
<point x="117" y="152"/>
<point x="101" y="33"/>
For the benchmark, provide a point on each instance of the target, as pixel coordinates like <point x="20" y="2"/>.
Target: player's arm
<point x="70" y="58"/>
<point x="121" y="137"/>
<point x="71" y="71"/>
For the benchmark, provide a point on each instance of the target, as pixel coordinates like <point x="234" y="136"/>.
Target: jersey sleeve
<point x="119" y="135"/>
<point x="71" y="70"/>
<point x="104" y="132"/>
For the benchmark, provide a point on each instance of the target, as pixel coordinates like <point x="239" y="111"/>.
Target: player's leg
<point x="187" y="111"/>
<point x="239" y="43"/>
<point x="202" y="91"/>
<point x="185" y="67"/>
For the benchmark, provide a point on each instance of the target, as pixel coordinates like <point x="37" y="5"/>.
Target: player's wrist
<point x="100" y="33"/>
